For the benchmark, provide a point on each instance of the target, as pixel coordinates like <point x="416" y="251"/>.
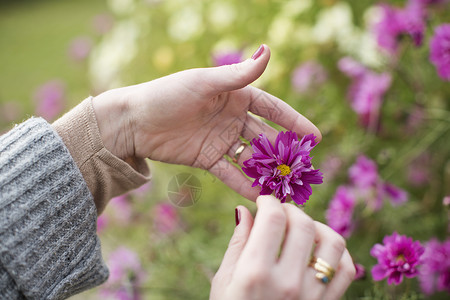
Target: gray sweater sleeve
<point x="48" y="243"/>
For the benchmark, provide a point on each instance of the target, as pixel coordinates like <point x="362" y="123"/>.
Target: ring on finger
<point x="324" y="271"/>
<point x="238" y="152"/>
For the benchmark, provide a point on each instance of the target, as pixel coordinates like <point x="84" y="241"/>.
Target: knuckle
<point x="349" y="272"/>
<point x="307" y="224"/>
<point x="338" y="243"/>
<point x="256" y="277"/>
<point x="291" y="291"/>
<point x="276" y="217"/>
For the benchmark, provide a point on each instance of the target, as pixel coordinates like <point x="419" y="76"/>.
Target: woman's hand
<point x="268" y="258"/>
<point x="195" y="117"/>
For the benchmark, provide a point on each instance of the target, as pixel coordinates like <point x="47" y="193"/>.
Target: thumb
<point x="232" y="77"/>
<point x="237" y="242"/>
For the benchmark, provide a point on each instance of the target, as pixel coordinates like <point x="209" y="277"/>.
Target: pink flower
<point x="166" y="219"/>
<point x="122" y="209"/>
<point x="102" y="223"/>
<point x="103" y="23"/>
<point x="284" y="168"/>
<point x="440" y="50"/>
<point x="360" y="272"/>
<point x="80" y="48"/>
<point x="396" y="22"/>
<point x="366" y="91"/>
<point x="418" y="169"/>
<point x="446" y="201"/>
<point x="308" y="75"/>
<point x="395" y="194"/>
<point x="339" y="215"/>
<point x="227" y="58"/>
<point x="364" y="173"/>
<point x="434" y="274"/>
<point x="398" y="256"/>
<point x="49" y="99"/>
<point x="126" y="275"/>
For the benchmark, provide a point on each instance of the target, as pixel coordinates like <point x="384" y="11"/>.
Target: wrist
<point x="115" y="123"/>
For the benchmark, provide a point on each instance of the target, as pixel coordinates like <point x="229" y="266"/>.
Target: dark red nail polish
<point x="237" y="216"/>
<point x="258" y="52"/>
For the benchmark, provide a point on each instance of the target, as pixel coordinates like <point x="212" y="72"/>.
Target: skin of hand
<point x="267" y="258"/>
<point x="195" y="117"/>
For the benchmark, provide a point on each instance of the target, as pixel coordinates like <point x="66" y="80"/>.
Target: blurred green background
<point x="87" y="47"/>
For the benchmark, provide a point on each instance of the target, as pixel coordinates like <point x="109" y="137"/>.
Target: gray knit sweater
<point x="48" y="243"/>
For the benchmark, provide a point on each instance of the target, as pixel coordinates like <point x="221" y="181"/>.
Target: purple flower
<point x="122" y="209"/>
<point x="80" y="48"/>
<point x="364" y="173"/>
<point x="308" y="75"/>
<point x="395" y="194"/>
<point x="126" y="275"/>
<point x="49" y="99"/>
<point x="434" y="274"/>
<point x="284" y="168"/>
<point x="227" y="58"/>
<point x="366" y="91"/>
<point x="340" y="211"/>
<point x="440" y="50"/>
<point x="398" y="256"/>
<point x="360" y="272"/>
<point x="446" y="201"/>
<point x="396" y="22"/>
<point x="166" y="219"/>
<point x="102" y="222"/>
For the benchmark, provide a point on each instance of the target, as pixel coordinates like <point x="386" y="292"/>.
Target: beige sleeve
<point x="106" y="175"/>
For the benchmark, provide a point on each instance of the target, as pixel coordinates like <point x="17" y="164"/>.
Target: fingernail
<point x="237" y="216"/>
<point x="258" y="52"/>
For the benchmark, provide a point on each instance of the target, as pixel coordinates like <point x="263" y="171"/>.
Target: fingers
<point x="298" y="242"/>
<point x="268" y="230"/>
<point x="235" y="179"/>
<point x="345" y="273"/>
<point x="236" y="76"/>
<point x="330" y="247"/>
<point x="237" y="242"/>
<point x="273" y="109"/>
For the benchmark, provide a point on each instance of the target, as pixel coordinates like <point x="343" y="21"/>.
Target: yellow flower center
<point x="400" y="257"/>
<point x="284" y="169"/>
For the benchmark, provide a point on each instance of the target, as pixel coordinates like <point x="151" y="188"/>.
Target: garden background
<point x="53" y="54"/>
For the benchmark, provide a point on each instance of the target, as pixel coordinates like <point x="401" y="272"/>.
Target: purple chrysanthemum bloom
<point x="367" y="89"/>
<point x="284" y="168"/>
<point x="308" y="75"/>
<point x="340" y="211"/>
<point x="395" y="194"/>
<point x="364" y="173"/>
<point x="434" y="273"/>
<point x="440" y="50"/>
<point x="227" y="58"/>
<point x="396" y="22"/>
<point x="398" y="256"/>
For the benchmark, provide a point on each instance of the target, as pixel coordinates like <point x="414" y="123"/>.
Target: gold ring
<point x="239" y="151"/>
<point x="324" y="271"/>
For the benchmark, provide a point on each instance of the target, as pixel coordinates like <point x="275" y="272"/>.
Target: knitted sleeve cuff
<point x="106" y="175"/>
<point x="48" y="243"/>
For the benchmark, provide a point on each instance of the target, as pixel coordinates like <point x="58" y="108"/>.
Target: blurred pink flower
<point x="227" y="58"/>
<point x="102" y="23"/>
<point x="366" y="91"/>
<point x="360" y="272"/>
<point x="364" y="173"/>
<point x="440" y="50"/>
<point x="396" y="22"/>
<point x="396" y="195"/>
<point x="102" y="223"/>
<point x="339" y="214"/>
<point x="418" y="169"/>
<point x="308" y="75"/>
<point x="126" y="275"/>
<point x="166" y="219"/>
<point x="331" y="166"/>
<point x="80" y="48"/>
<point x="446" y="201"/>
<point x="398" y="256"/>
<point x="434" y="273"/>
<point x="49" y="99"/>
<point x="122" y="209"/>
<point x="142" y="190"/>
